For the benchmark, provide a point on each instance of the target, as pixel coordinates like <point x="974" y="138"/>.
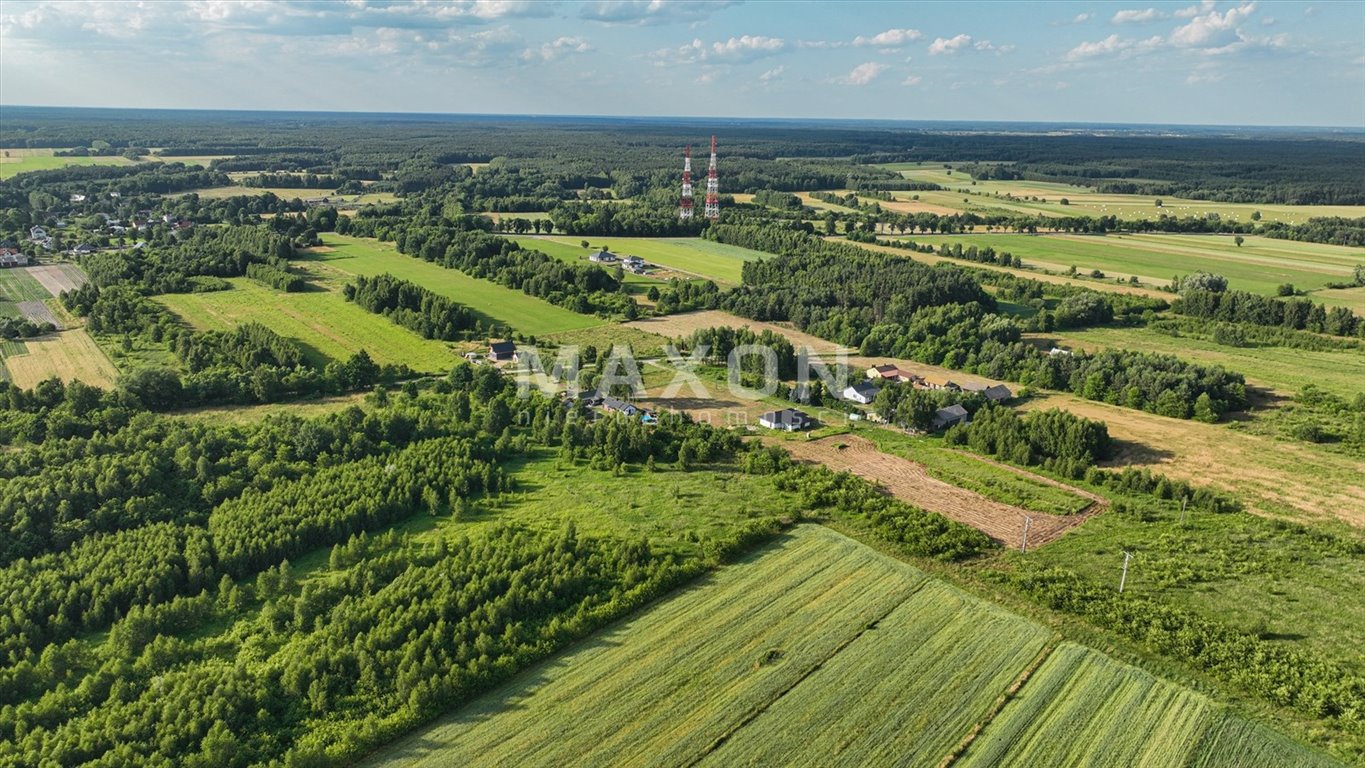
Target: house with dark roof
<point x="998" y="393"/>
<point x="617" y="405"/>
<point x="937" y="381"/>
<point x="499" y="351"/>
<point x="603" y="257"/>
<point x="953" y="414"/>
<point x="862" y="392"/>
<point x="787" y="419"/>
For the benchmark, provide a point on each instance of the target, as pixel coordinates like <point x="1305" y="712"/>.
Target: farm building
<point x="885" y="372"/>
<point x="953" y="414"/>
<point x="937" y="381"/>
<point x="862" y="392"/>
<point x="997" y="393"/>
<point x="11" y="257"/>
<point x="499" y="351"/>
<point x="787" y="419"/>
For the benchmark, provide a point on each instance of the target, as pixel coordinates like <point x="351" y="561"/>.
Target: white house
<point x="862" y="392"/>
<point x="787" y="419"/>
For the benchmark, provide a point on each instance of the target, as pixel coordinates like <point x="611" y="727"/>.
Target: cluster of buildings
<point x="10" y="255"/>
<point x="634" y="264"/>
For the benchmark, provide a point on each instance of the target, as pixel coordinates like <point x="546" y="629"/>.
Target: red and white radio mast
<point x="712" y="186"/>
<point x="685" y="205"/>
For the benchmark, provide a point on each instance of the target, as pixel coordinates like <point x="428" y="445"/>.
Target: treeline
<point x="293" y="181"/>
<point x="247" y="347"/>
<point x="44" y="190"/>
<point x="1254" y="309"/>
<point x="276" y="274"/>
<point x="1330" y="229"/>
<point x="721" y="341"/>
<point x="23" y="328"/>
<point x="414" y="307"/>
<point x="215" y="251"/>
<point x="616" y="219"/>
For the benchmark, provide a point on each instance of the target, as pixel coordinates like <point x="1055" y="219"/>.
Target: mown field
<point x="325" y="325"/>
<point x="819" y="651"/>
<point x="1283" y="369"/>
<point x="1260" y="265"/>
<point x="690" y="255"/>
<point x="1010" y="197"/>
<point x="70" y="355"/>
<point x="528" y="314"/>
<point x="16" y="285"/>
<point x="16" y="161"/>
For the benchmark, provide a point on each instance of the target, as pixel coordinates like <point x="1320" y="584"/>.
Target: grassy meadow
<point x="528" y="314"/>
<point x="692" y="256"/>
<point x="325" y="325"/>
<point x="1012" y="197"/>
<point x="15" y="161"/>
<point x="1260" y="265"/>
<point x="70" y="355"/>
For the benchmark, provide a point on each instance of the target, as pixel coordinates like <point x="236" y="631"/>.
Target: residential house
<point x="617" y="405"/>
<point x="787" y="419"/>
<point x="998" y="393"/>
<point x="500" y="351"/>
<point x="862" y="392"/>
<point x="11" y="257"/>
<point x="937" y="381"/>
<point x="603" y="257"/>
<point x="84" y="249"/>
<point x="1058" y="351"/>
<point x="37" y="233"/>
<point x="884" y="372"/>
<point x="953" y="414"/>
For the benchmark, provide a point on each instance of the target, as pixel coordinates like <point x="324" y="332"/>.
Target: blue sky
<point x="1257" y="63"/>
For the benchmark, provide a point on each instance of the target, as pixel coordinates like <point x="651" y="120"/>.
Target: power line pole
<point x="1123" y="580"/>
<point x="1183" y="503"/>
<point x="1024" y="546"/>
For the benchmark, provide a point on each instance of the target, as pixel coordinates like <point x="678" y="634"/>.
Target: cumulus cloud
<point x="650" y="12"/>
<point x="864" y="73"/>
<point x="735" y="50"/>
<point x="557" y="49"/>
<point x="772" y="74"/>
<point x="1213" y="29"/>
<point x="1112" y="45"/>
<point x="891" y="38"/>
<point x="1194" y="10"/>
<point x="1143" y="16"/>
<point x="986" y="45"/>
<point x="946" y="45"/>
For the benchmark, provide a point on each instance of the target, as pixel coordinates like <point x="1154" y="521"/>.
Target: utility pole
<point x="1124" y="578"/>
<point x="1027" y="521"/>
<point x="1183" y="503"/>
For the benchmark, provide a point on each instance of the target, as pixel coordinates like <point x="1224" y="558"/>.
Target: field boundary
<point x="999" y="705"/>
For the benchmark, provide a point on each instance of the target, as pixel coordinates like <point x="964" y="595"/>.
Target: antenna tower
<point x="712" y="186"/>
<point x="685" y="205"/>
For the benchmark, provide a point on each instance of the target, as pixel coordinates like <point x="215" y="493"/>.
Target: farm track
<point x="910" y="482"/>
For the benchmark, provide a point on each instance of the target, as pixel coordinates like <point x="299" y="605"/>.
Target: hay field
<point x="15" y="161"/>
<point x="69" y="355"/>
<point x="690" y="255"/>
<point x="528" y="314"/>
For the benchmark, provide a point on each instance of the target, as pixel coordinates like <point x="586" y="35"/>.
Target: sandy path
<point x="910" y="482"/>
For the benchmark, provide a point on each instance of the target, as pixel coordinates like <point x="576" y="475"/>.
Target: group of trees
<point x="1254" y="309"/>
<point x="414" y="307"/>
<point x="276" y="274"/>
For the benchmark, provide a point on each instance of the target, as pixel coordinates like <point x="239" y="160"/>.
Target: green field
<point x="17" y="285"/>
<point x="327" y="326"/>
<point x="818" y="650"/>
<point x="1260" y="265"/>
<point x="528" y="314"/>
<point x="17" y="163"/>
<point x="1283" y="369"/>
<point x="690" y="255"/>
<point x="1011" y="197"/>
<point x="1083" y="708"/>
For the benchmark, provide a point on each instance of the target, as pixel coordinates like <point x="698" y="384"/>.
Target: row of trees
<point x="414" y="307"/>
<point x="277" y="275"/>
<point x="1254" y="309"/>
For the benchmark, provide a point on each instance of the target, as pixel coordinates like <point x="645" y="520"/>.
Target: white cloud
<point x="1137" y="17"/>
<point x="986" y="45"/>
<point x="1213" y="29"/>
<point x="864" y="73"/>
<point x="557" y="49"/>
<point x="1112" y="45"/>
<point x="947" y="45"/>
<point x="772" y="74"/>
<point x="891" y="38"/>
<point x="650" y="12"/>
<point x="912" y="80"/>
<point x="733" y="51"/>
<point x="1081" y="18"/>
<point x="1194" y="10"/>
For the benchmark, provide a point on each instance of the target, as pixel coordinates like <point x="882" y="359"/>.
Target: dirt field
<point x="38" y="312"/>
<point x="1273" y="477"/>
<point x="58" y="277"/>
<point x="69" y="355"/>
<point x="911" y="483"/>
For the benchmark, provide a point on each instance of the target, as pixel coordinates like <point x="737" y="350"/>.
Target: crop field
<point x="691" y="255"/>
<point x="326" y="325"/>
<point x="528" y="314"/>
<point x="16" y="161"/>
<point x="69" y="355"/>
<point x="574" y="253"/>
<point x="1010" y="196"/>
<point x="16" y="285"/>
<point x="1282" y="369"/>
<point x="817" y="650"/>
<point x="1292" y="479"/>
<point x="1260" y="265"/>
